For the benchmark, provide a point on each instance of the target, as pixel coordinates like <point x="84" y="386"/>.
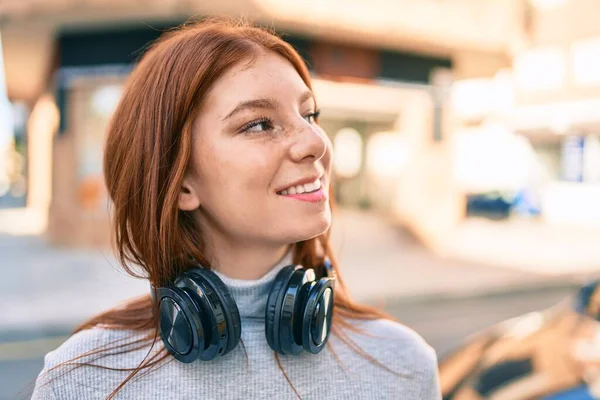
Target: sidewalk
<point x="47" y="286"/>
<point x="383" y="262"/>
<point x="527" y="245"/>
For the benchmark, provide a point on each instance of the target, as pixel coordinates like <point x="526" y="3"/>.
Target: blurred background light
<point x="6" y="130"/>
<point x="347" y="147"/>
<point x="586" y="61"/>
<point x="474" y="99"/>
<point x="471" y="98"/>
<point x="106" y="98"/>
<point x="492" y="158"/>
<point x="387" y="155"/>
<point x="546" y="5"/>
<point x="571" y="203"/>
<point x="541" y="68"/>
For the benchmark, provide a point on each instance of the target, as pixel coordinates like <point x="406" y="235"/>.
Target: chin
<point x="292" y="228"/>
<point x="309" y="229"/>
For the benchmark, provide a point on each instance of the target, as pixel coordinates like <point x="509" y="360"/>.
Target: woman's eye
<point x="312" y="117"/>
<point x="259" y="125"/>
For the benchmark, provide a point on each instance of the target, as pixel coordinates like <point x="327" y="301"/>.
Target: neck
<point x="247" y="263"/>
<point x="251" y="295"/>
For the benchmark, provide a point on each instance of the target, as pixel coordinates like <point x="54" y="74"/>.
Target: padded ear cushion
<point x="273" y="309"/>
<point x="232" y="314"/>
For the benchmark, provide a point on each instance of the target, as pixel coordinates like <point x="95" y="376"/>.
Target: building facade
<point x="381" y="71"/>
<point x="556" y="70"/>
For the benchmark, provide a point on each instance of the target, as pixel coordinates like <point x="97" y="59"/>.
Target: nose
<point x="310" y="143"/>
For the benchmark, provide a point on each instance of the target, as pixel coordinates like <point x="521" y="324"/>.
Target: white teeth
<point x="308" y="187"/>
<point x="311" y="187"/>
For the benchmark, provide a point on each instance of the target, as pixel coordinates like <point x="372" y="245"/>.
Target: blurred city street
<point x="465" y="140"/>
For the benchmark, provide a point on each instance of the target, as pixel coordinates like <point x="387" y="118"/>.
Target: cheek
<point x="257" y="170"/>
<point x="236" y="172"/>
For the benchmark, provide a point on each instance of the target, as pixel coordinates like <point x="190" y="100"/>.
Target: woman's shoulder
<point x="88" y="341"/>
<point x="393" y="341"/>
<point x="401" y="350"/>
<point x="67" y="367"/>
<point x="389" y="328"/>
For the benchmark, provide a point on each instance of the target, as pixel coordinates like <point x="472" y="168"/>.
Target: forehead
<point x="268" y="75"/>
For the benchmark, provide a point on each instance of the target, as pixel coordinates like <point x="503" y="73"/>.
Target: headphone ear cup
<point x="217" y="291"/>
<point x="180" y="326"/>
<point x="273" y="309"/>
<point x="317" y="315"/>
<point x="232" y="313"/>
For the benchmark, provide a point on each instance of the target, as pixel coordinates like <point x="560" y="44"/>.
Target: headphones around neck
<point x="200" y="320"/>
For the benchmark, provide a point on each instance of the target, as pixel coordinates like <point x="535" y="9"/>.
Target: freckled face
<point x="256" y="134"/>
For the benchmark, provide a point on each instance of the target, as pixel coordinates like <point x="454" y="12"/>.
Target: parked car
<point x="493" y="205"/>
<point x="553" y="354"/>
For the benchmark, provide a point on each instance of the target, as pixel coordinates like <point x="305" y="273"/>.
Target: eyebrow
<point x="265" y="103"/>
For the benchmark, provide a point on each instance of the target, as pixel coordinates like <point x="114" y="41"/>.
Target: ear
<point x="188" y="196"/>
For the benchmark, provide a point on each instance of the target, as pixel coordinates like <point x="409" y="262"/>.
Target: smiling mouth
<point x="307" y="188"/>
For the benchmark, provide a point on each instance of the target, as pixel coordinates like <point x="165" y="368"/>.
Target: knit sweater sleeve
<point x="43" y="386"/>
<point x="423" y="362"/>
<point x="63" y="378"/>
<point x="404" y="351"/>
<point x="430" y="385"/>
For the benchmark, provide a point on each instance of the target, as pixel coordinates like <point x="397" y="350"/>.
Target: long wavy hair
<point x="149" y="148"/>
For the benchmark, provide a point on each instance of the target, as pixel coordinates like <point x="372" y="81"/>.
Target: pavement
<point x="530" y="245"/>
<point x="382" y="262"/>
<point x="48" y="287"/>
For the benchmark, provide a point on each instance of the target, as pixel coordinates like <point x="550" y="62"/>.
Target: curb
<point x="29" y="349"/>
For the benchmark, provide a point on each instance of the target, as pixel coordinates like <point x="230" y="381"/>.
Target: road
<point x="443" y="323"/>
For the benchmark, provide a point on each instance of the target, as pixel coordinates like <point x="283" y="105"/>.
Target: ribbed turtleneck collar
<point x="251" y="295"/>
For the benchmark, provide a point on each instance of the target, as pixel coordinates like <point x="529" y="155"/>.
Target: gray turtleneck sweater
<point x="255" y="373"/>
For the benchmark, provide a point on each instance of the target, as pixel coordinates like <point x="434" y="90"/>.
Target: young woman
<point x="220" y="180"/>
